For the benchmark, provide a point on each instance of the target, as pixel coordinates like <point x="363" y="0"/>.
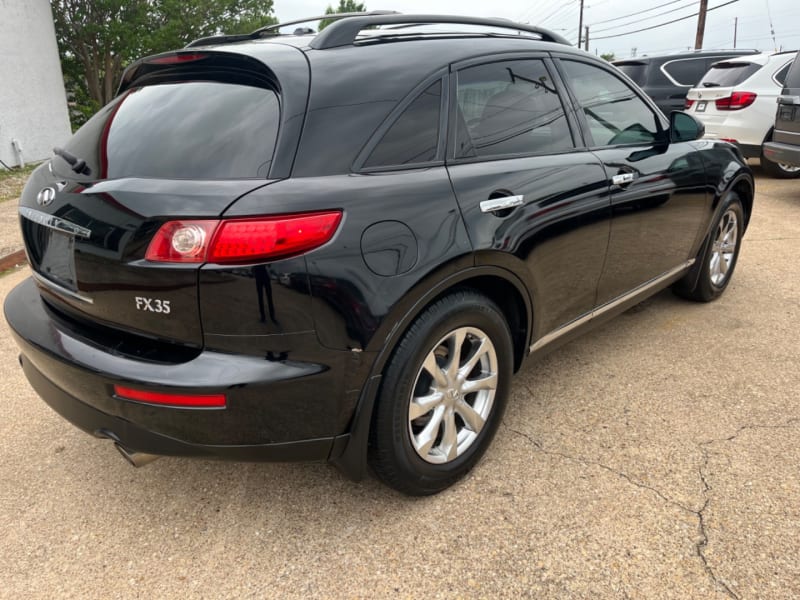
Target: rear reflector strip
<point x="173" y="59"/>
<point x="190" y="400"/>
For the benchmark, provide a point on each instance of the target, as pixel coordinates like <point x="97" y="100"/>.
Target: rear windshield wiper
<point x="710" y="84"/>
<point x="78" y="164"/>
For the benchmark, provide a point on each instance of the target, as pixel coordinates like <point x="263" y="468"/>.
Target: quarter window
<point x="509" y="107"/>
<point x="686" y="72"/>
<point x="615" y="113"/>
<point x="414" y="136"/>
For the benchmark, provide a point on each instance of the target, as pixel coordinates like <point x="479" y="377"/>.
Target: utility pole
<point x="701" y="25"/>
<point x="580" y="25"/>
<point x="735" y="30"/>
<point x="586" y="47"/>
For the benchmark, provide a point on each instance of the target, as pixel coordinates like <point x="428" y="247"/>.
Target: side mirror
<point x="684" y="127"/>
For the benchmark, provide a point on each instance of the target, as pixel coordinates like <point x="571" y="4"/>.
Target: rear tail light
<point x="688" y="104"/>
<point x="242" y="240"/>
<point x="189" y="400"/>
<point x="736" y="101"/>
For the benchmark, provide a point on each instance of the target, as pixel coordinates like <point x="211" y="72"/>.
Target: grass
<point x="12" y="182"/>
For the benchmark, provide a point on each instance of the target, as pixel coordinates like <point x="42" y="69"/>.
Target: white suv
<point x="736" y="102"/>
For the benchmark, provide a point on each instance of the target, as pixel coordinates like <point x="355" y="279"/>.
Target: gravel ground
<point x="656" y="457"/>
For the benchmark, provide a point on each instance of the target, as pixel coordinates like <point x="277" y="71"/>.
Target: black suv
<point x="784" y="149"/>
<point x="668" y="78"/>
<point x="341" y="246"/>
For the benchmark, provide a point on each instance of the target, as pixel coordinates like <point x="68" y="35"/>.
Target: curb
<point x="12" y="260"/>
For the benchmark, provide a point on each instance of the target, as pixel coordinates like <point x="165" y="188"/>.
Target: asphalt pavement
<point x="656" y="457"/>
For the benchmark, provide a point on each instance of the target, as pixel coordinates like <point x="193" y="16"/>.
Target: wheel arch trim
<point x="349" y="453"/>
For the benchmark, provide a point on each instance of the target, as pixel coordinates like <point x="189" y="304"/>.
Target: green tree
<point x="345" y="6"/>
<point x="98" y="38"/>
<point x="609" y="56"/>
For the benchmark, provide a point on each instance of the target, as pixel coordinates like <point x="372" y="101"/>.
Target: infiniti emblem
<point x="46" y="197"/>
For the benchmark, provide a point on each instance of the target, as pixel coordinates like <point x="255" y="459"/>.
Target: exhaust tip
<point x="136" y="459"/>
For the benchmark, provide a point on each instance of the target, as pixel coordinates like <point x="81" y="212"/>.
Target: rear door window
<point x="414" y="136"/>
<point x="507" y="108"/>
<point x="183" y="130"/>
<point x="728" y="74"/>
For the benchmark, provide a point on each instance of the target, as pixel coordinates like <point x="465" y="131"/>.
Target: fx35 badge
<point x="152" y="305"/>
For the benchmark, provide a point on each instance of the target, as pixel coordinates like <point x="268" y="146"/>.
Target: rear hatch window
<point x="728" y="74"/>
<point x="181" y="130"/>
<point x="637" y="71"/>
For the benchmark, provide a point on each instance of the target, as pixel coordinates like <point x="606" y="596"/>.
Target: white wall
<point x="33" y="104"/>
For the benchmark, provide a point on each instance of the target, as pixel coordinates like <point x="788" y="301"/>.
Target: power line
<point x="606" y="37"/>
<point x="666" y="12"/>
<point x="640" y="12"/>
<point x="556" y="11"/>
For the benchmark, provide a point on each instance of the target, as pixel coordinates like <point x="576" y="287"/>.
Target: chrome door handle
<point x="495" y="204"/>
<point x="623" y="178"/>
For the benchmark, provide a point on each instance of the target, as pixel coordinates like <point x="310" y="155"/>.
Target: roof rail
<point x="273" y="28"/>
<point x="344" y="32"/>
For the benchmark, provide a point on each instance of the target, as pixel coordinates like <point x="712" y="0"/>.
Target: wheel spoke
<point x="456" y="342"/>
<point x="485" y="382"/>
<point x="466" y="369"/>
<point x="422" y="405"/>
<point x="432" y="367"/>
<point x="450" y="435"/>
<point x="471" y="417"/>
<point x="423" y="442"/>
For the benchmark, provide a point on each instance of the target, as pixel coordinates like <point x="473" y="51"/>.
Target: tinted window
<point x="414" y="136"/>
<point x="615" y="114"/>
<point x="793" y="77"/>
<point x="188" y="130"/>
<point x="686" y="72"/>
<point x="727" y="74"/>
<point x="637" y="71"/>
<point x="510" y="108"/>
<point x="780" y="76"/>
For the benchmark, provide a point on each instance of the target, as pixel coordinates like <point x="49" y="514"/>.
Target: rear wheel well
<point x="745" y="192"/>
<point x="510" y="301"/>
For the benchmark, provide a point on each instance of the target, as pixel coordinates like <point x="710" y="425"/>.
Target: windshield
<point x="182" y="130"/>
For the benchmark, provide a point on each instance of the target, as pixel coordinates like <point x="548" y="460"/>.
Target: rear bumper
<point x="277" y="409"/>
<point x="782" y="153"/>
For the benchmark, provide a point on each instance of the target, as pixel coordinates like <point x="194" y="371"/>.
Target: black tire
<point x="395" y="437"/>
<point x="704" y="282"/>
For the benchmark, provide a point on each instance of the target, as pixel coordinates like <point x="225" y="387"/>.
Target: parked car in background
<point x="265" y="248"/>
<point x="667" y="78"/>
<point x="784" y="149"/>
<point x="736" y="102"/>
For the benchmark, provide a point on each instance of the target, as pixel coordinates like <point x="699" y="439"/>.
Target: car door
<point x="658" y="189"/>
<point x="534" y="200"/>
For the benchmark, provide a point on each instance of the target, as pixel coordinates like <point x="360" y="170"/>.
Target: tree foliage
<point x="345" y="6"/>
<point x="98" y="38"/>
<point x="609" y="56"/>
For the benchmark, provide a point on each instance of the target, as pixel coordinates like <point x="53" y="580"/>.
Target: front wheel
<point x="718" y="259"/>
<point x="442" y="395"/>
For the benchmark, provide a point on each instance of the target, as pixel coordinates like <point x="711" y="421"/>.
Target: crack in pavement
<point x="703" y="541"/>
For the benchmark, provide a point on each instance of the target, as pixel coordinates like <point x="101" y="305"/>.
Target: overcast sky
<point x="613" y="17"/>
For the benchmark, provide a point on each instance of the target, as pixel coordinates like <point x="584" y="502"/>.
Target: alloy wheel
<point x="453" y="395"/>
<point x="723" y="251"/>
